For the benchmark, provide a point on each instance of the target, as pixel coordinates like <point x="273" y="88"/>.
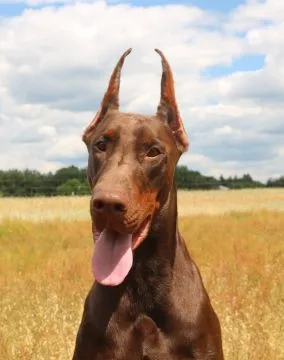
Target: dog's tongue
<point x="112" y="258"/>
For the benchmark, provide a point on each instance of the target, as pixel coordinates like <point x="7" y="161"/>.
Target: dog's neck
<point x="152" y="270"/>
<point x="160" y="244"/>
<point x="148" y="283"/>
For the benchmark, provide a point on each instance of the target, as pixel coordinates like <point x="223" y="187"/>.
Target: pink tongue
<point x="112" y="258"/>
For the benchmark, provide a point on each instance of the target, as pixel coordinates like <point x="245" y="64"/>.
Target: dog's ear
<point x="111" y="97"/>
<point x="168" y="109"/>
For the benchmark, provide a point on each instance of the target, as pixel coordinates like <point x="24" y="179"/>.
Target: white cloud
<point x="55" y="63"/>
<point x="256" y="13"/>
<point x="280" y="153"/>
<point x="226" y="130"/>
<point x="67" y="147"/>
<point x="48" y="131"/>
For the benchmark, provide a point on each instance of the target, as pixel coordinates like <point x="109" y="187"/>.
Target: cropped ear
<point x="168" y="109"/>
<point x="111" y="97"/>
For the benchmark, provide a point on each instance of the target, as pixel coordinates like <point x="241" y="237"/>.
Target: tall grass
<point x="45" y="275"/>
<point x="190" y="203"/>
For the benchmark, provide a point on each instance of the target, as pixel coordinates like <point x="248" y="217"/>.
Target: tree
<point x="187" y="179"/>
<point x="71" y="172"/>
<point x="73" y="187"/>
<point x="276" y="182"/>
<point x="72" y="180"/>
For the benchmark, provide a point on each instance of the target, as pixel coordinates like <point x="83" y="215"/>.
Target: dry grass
<point x="220" y="202"/>
<point x="45" y="274"/>
<point x="41" y="208"/>
<point x="190" y="203"/>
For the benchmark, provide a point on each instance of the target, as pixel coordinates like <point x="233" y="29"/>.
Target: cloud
<point x="52" y="55"/>
<point x="226" y="130"/>
<point x="56" y="61"/>
<point x="256" y="13"/>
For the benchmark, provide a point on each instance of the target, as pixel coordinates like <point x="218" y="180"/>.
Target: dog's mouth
<point x="113" y="255"/>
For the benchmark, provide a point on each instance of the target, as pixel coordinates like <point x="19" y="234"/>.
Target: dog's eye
<point x="101" y="145"/>
<point x="153" y="152"/>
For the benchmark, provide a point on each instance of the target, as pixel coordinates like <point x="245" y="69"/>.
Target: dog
<point x="148" y="300"/>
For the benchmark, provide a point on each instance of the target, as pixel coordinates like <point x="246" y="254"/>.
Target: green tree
<point x="73" y="187"/>
<point x="188" y="179"/>
<point x="279" y="182"/>
<point x="71" y="172"/>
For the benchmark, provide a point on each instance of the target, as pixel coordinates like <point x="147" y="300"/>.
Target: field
<point x="236" y="238"/>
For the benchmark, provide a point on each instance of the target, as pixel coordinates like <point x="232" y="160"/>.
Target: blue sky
<point x="215" y="5"/>
<point x="242" y="63"/>
<point x="7" y="9"/>
<point x="11" y="9"/>
<point x="228" y="62"/>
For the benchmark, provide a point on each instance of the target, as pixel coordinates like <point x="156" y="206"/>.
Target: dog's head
<point x="131" y="166"/>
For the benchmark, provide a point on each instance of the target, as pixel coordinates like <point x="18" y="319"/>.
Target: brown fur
<point x="161" y="310"/>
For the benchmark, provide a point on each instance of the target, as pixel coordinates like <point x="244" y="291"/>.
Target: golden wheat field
<point x="236" y="237"/>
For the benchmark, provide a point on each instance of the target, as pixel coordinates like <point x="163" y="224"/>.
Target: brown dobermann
<point x="148" y="300"/>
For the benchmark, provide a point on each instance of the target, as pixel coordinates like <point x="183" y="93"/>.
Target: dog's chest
<point x="151" y="347"/>
<point x="128" y="347"/>
<point x="120" y="344"/>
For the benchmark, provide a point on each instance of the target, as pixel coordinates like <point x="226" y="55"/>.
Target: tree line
<point x="73" y="181"/>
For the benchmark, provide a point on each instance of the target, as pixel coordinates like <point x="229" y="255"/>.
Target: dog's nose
<point x="109" y="202"/>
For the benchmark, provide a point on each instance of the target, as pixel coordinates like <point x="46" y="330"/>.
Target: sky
<point x="227" y="58"/>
